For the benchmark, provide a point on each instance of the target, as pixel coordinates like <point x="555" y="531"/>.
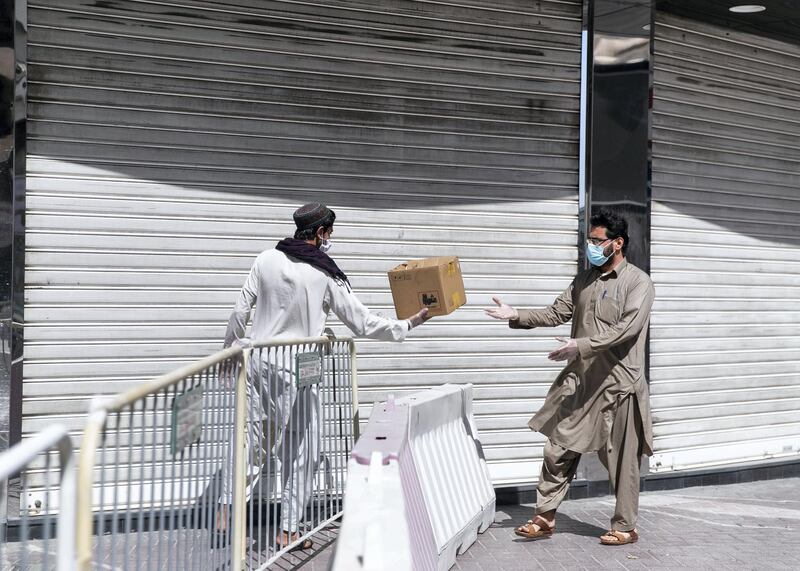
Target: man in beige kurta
<point x="600" y="401"/>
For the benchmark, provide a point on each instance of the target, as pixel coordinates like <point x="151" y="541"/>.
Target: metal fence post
<point x="67" y="503"/>
<point x="92" y="436"/>
<point x="239" y="465"/>
<point x="354" y="382"/>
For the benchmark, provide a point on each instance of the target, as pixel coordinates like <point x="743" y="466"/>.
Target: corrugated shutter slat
<point x="725" y="334"/>
<point x="167" y="147"/>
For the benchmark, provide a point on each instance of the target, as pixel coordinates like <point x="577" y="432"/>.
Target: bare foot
<point x="221" y="518"/>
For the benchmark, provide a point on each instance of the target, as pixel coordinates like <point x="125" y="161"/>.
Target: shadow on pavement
<point x="518" y="515"/>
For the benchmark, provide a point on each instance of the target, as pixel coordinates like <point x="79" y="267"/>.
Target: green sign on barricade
<point x="187" y="419"/>
<point x="308" y="369"/>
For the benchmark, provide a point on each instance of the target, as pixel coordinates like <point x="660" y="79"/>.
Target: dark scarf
<point x="305" y="252"/>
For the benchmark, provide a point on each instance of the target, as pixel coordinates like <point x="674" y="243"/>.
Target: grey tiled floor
<point x="753" y="525"/>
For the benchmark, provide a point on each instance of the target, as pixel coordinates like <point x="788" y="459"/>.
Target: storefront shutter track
<point x="725" y="338"/>
<point x="169" y="143"/>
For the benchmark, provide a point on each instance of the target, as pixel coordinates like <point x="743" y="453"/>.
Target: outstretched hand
<point x="567" y="352"/>
<point x="419" y="318"/>
<point x="502" y="311"/>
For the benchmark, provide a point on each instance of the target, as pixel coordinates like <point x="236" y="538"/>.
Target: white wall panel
<point x="725" y="333"/>
<point x="169" y="144"/>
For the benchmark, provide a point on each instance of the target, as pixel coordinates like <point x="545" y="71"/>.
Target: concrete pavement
<point x="753" y="525"/>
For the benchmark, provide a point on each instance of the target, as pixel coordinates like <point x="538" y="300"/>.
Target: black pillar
<point x="13" y="100"/>
<point x="616" y="137"/>
<point x="618" y="116"/>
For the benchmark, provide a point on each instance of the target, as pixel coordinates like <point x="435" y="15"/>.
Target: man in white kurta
<point x="292" y="289"/>
<point x="292" y="300"/>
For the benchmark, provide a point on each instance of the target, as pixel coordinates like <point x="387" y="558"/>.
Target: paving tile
<point x="746" y="525"/>
<point x="701" y="527"/>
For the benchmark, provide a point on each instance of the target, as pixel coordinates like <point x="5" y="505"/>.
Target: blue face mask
<point x="595" y="255"/>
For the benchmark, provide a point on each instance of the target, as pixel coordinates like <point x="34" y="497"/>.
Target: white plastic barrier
<point x="374" y="534"/>
<point x="447" y="497"/>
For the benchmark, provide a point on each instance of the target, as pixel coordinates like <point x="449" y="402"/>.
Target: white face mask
<point x="326" y="246"/>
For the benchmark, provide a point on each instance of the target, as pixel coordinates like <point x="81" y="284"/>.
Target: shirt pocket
<point x="607" y="310"/>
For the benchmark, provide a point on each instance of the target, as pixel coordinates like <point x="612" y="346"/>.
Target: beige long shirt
<point x="610" y="316"/>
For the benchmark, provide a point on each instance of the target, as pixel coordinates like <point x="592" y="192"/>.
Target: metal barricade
<point x="157" y="463"/>
<point x="204" y="467"/>
<point x="43" y="534"/>
<point x="301" y="427"/>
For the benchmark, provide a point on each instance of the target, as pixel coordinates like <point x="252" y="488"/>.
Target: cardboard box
<point x="435" y="283"/>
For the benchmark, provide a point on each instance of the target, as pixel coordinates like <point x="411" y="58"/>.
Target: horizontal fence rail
<point x="39" y="474"/>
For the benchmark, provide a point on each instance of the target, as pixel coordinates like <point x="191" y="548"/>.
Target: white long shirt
<point x="292" y="300"/>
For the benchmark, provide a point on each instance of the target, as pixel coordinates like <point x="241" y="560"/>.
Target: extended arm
<point x="556" y="314"/>
<point x="361" y="321"/>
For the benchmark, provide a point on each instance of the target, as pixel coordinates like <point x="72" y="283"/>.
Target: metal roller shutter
<point x="169" y="143"/>
<point x="725" y="349"/>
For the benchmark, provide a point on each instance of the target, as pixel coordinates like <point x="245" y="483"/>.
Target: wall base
<point x="580" y="489"/>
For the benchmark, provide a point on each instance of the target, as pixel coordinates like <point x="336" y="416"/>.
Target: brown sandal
<point x="527" y="531"/>
<point x="619" y="537"/>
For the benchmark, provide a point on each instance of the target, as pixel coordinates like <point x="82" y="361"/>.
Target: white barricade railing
<point x="40" y="539"/>
<point x="447" y="494"/>
<point x="206" y="466"/>
<point x="153" y="465"/>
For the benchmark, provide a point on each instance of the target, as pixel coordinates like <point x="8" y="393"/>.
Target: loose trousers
<point x="282" y="435"/>
<point x="621" y="456"/>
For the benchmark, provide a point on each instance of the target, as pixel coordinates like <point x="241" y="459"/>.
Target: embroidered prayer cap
<point x="310" y="215"/>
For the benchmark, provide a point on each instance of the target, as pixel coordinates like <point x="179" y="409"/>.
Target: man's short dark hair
<point x="616" y="226"/>
<point x="311" y="217"/>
